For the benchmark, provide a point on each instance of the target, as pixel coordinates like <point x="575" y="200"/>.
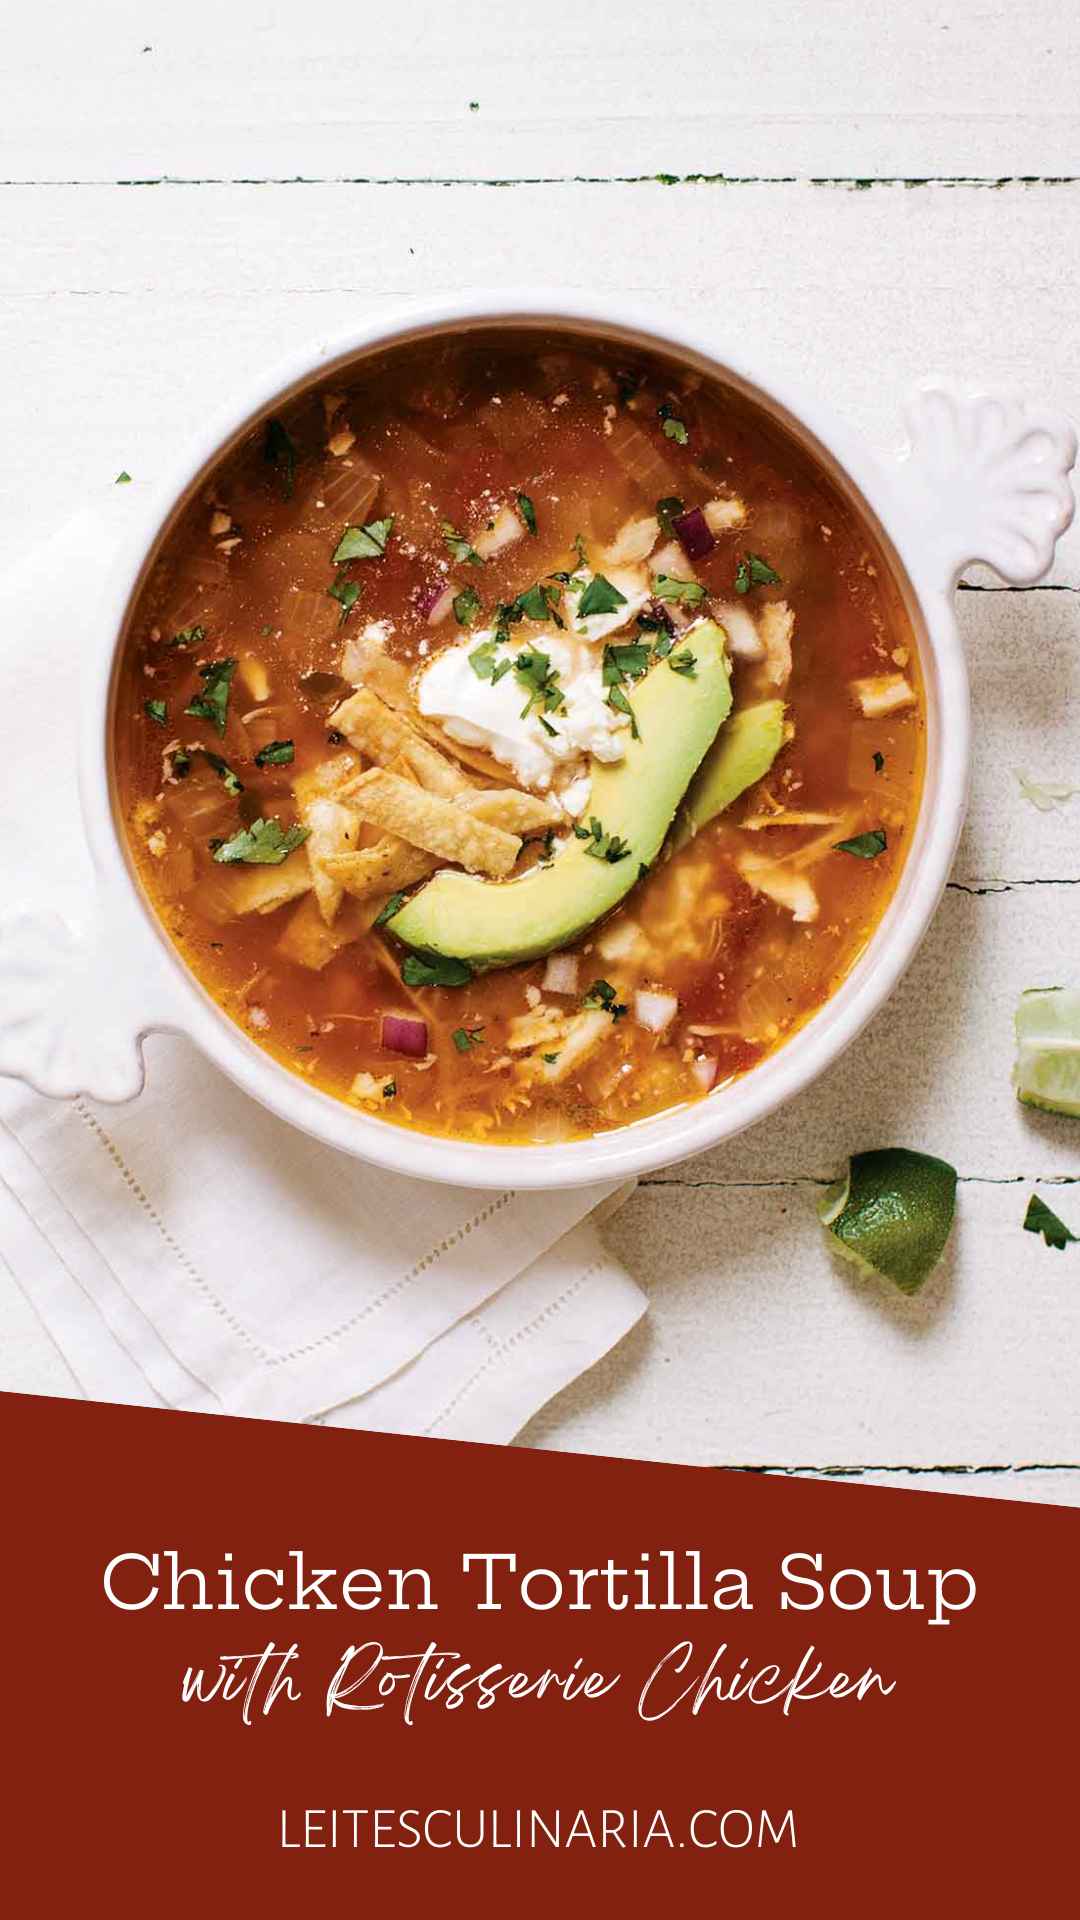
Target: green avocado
<point x="741" y="754"/>
<point x="494" y="923"/>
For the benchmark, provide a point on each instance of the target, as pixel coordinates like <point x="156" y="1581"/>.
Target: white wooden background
<point x="864" y="193"/>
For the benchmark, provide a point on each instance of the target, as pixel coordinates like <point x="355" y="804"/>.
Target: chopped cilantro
<point x="579" y="549"/>
<point x="279" y="449"/>
<point x="464" y="1038"/>
<point x="276" y="753"/>
<point x="1040" y="1218"/>
<point x="753" y="571"/>
<point x="602" y="845"/>
<point x="667" y="587"/>
<point x="392" y="906"/>
<point x="466" y="606"/>
<point x="537" y="603"/>
<point x="549" y="1059"/>
<point x="188" y="637"/>
<point x="460" y="547"/>
<point x="666" y="511"/>
<point x="683" y="662"/>
<point x="617" y="699"/>
<point x="601" y="996"/>
<point x="879" y="762"/>
<point x="346" y="593"/>
<point x="179" y="762"/>
<point x="527" y="511"/>
<point x="600" y="597"/>
<point x="157" y="711"/>
<point x="424" y="969"/>
<point x="123" y="479"/>
<point x="222" y="768"/>
<point x="213" y="702"/>
<point x="673" y="428"/>
<point x="266" y="843"/>
<point x="627" y="662"/>
<point x="389" y="1090"/>
<point x="364" y="543"/>
<point x="536" y="674"/>
<point x="483" y="662"/>
<point x="865" y="846"/>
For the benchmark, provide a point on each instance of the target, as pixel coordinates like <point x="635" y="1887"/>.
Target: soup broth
<point x="407" y="634"/>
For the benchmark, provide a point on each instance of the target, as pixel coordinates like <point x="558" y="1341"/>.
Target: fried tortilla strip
<point x="515" y="812"/>
<point x="325" y="781"/>
<point x="439" y="826"/>
<point x="233" y="891"/>
<point x="384" y="736"/>
<point x="333" y="829"/>
<point x="307" y="941"/>
<point x="385" y="868"/>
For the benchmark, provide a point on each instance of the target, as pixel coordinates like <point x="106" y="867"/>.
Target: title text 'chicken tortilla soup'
<point x="520" y="739"/>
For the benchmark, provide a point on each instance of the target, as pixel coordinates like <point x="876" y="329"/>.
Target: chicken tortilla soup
<point x="521" y="739"/>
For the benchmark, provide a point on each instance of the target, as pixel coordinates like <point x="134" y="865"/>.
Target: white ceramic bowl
<point x="984" y="478"/>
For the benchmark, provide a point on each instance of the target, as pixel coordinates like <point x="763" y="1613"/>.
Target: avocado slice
<point x="741" y="754"/>
<point x="497" y="923"/>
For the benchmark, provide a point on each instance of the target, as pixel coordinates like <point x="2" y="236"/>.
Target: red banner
<point x="272" y="1663"/>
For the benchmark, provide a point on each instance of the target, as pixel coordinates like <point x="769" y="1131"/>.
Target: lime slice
<point x="1047" y="1070"/>
<point x="893" y="1214"/>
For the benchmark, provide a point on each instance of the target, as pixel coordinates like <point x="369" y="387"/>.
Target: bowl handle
<point x="75" y="1005"/>
<point x="986" y="477"/>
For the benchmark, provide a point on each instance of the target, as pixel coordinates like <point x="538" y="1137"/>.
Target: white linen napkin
<point x="191" y="1250"/>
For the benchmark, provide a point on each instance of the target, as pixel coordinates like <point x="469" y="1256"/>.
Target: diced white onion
<point x="503" y="531"/>
<point x="561" y="973"/>
<point x="654" y="1011"/>
<point x="704" y="1072"/>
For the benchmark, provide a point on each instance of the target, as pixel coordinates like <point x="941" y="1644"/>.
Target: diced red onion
<point x="561" y="973"/>
<point x="402" y="1033"/>
<point x="441" y="607"/>
<point x="654" y="1011"/>
<point x="429" y="596"/>
<point x="692" y="531"/>
<point x="705" y="1070"/>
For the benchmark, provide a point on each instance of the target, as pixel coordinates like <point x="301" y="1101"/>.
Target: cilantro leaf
<point x="364" y="543"/>
<point x="527" y="511"/>
<point x="424" y="969"/>
<point x="538" y="603"/>
<point x="683" y="663"/>
<point x="188" y="637"/>
<point x="460" y="547"/>
<point x="225" y="773"/>
<point x="389" y="1090"/>
<point x="266" y="843"/>
<point x="157" y="711"/>
<point x="667" y="587"/>
<point x="865" y="846"/>
<point x="465" y="1038"/>
<point x="601" y="996"/>
<point x="617" y="699"/>
<point x="602" y="845"/>
<point x="667" y="510"/>
<point x="753" y="571"/>
<point x="1040" y="1218"/>
<point x="673" y="428"/>
<point x="213" y="702"/>
<point x="879" y="762"/>
<point x="466" y="606"/>
<point x="483" y="662"/>
<point x="600" y="597"/>
<point x="279" y="449"/>
<point x="276" y="753"/>
<point x="123" y="479"/>
<point x="536" y="674"/>
<point x="627" y="662"/>
<point x="346" y="593"/>
<point x="392" y="906"/>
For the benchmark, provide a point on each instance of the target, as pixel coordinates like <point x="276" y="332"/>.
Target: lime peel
<point x="893" y="1214"/>
<point x="1047" y="1070"/>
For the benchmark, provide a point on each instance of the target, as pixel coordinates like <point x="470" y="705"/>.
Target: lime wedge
<point x="893" y="1214"/>
<point x="1047" y="1070"/>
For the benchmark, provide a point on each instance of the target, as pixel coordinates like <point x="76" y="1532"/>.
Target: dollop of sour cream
<point x="489" y="714"/>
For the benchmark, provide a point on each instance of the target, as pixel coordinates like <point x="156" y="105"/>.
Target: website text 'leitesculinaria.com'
<point x="524" y="1829"/>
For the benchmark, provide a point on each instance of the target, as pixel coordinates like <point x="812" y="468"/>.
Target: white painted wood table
<point x="864" y="193"/>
